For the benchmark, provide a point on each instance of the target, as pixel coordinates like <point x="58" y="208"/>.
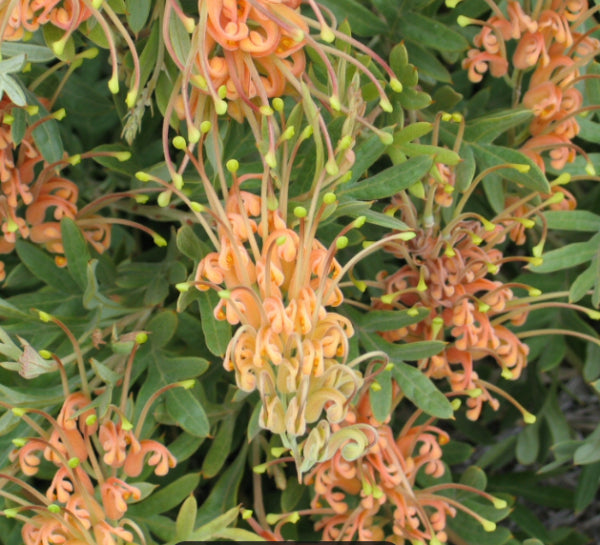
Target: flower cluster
<point x="553" y="42"/>
<point x="289" y="346"/>
<point x="91" y="460"/>
<point x="380" y="488"/>
<point x="23" y="16"/>
<point x="446" y="273"/>
<point x="34" y="197"/>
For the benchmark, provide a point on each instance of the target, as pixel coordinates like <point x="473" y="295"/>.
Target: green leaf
<point x="412" y="132"/>
<point x="362" y="20"/>
<point x="179" y="38"/>
<point x="429" y="65"/>
<point x="43" y="267"/>
<point x="166" y="498"/>
<point x="13" y="89"/>
<point x="189" y="244"/>
<point x="490" y="155"/>
<point x="223" y="495"/>
<point x="485" y="129"/>
<point x="208" y="531"/>
<point x="186" y="518"/>
<point x="421" y="391"/>
<point x="383" y="220"/>
<point x="238" y="534"/>
<point x="528" y="444"/>
<point x="573" y="220"/>
<point x="367" y="152"/>
<point x="162" y="327"/>
<point x="187" y="411"/>
<point x="390" y="181"/>
<point x="529" y="523"/>
<point x="400" y="352"/>
<point x="587" y="486"/>
<point x="568" y="256"/>
<point x="475" y="477"/>
<point x="217" y="334"/>
<point x="32" y="52"/>
<point x="589" y="451"/>
<point x="388" y="320"/>
<point x="583" y="283"/>
<point x="10" y="311"/>
<point x="430" y="33"/>
<point x="381" y="398"/>
<point x="219" y="449"/>
<point x="137" y="13"/>
<point x="76" y="251"/>
<point x="47" y="134"/>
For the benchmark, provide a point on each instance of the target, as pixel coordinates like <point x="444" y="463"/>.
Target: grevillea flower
<point x="87" y="498"/>
<point x="22" y="16"/>
<point x="288" y="345"/>
<point x="31" y="199"/>
<point x="553" y="44"/>
<point x="246" y="52"/>
<point x="446" y="271"/>
<point x="376" y="496"/>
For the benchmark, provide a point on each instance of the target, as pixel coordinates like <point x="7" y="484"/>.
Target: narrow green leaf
<point x="430" y="33"/>
<point x="189" y="244"/>
<point x="32" y="52"/>
<point x="421" y="391"/>
<point x="137" y="13"/>
<point x="187" y="411"/>
<point x="43" y="267"/>
<point x="186" y="518"/>
<point x="475" y="477"/>
<point x="162" y="327"/>
<point x="76" y="251"/>
<point x="589" y="451"/>
<point x="381" y="398"/>
<point x="412" y="132"/>
<point x="208" y="531"/>
<point x="219" y="449"/>
<point x="587" y="486"/>
<point x="362" y="20"/>
<point x="583" y="283"/>
<point x="217" y="334"/>
<point x="10" y="311"/>
<point x="47" y="134"/>
<point x="13" y="89"/>
<point x="179" y="38"/>
<point x="530" y="523"/>
<point x="485" y="129"/>
<point x="238" y="534"/>
<point x="390" y="181"/>
<point x="166" y="498"/>
<point x="490" y="155"/>
<point x="528" y="444"/>
<point x="429" y="65"/>
<point x="383" y="220"/>
<point x="388" y="320"/>
<point x="573" y="220"/>
<point x="223" y="495"/>
<point x="568" y="256"/>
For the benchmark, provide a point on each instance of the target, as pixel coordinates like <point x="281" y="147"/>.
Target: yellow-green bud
<point x="179" y="142"/>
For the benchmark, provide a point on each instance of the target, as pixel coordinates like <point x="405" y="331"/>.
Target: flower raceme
<point x="288" y="346"/>
<point x="446" y="271"/>
<point x="554" y="42"/>
<point x="87" y="497"/>
<point x="245" y="53"/>
<point x="383" y="480"/>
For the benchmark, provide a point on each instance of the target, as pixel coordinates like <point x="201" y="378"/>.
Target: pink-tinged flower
<point x="115" y="441"/>
<point x="29" y="461"/>
<point x="66" y="482"/>
<point x="159" y="457"/>
<point x="105" y="534"/>
<point x="478" y="62"/>
<point x="70" y="417"/>
<point x="45" y="529"/>
<point x="381" y="486"/>
<point x="115" y="494"/>
<point x="530" y="48"/>
<point x="545" y="100"/>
